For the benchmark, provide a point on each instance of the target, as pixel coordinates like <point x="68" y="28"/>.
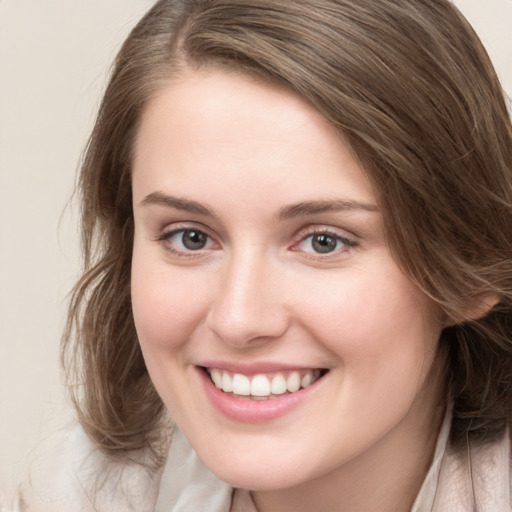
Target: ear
<point x="482" y="306"/>
<point x="479" y="307"/>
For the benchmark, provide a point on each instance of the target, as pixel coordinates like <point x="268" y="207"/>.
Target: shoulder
<point x="480" y="476"/>
<point x="510" y="463"/>
<point x="70" y="473"/>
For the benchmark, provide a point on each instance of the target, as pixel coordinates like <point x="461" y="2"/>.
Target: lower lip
<point x="254" y="411"/>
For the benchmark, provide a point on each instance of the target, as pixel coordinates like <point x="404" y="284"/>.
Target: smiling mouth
<point x="263" y="386"/>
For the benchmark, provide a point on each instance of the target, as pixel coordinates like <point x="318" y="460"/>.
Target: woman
<point x="296" y="225"/>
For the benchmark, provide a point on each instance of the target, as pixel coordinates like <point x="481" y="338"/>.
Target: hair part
<point x="410" y="88"/>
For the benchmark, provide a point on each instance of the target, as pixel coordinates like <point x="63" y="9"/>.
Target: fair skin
<point x="259" y="250"/>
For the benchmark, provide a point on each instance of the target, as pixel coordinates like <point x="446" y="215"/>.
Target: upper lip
<point x="256" y="367"/>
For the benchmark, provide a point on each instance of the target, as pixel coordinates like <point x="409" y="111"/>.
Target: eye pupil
<point x="324" y="243"/>
<point x="194" y="240"/>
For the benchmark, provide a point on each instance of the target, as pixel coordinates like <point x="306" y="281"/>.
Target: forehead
<point x="222" y="127"/>
<point x="223" y="102"/>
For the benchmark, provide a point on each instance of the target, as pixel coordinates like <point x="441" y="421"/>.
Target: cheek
<point x="383" y="335"/>
<point x="167" y="306"/>
<point x="374" y="322"/>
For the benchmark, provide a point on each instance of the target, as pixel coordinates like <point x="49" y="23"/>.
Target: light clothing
<point x="448" y="486"/>
<point x="77" y="478"/>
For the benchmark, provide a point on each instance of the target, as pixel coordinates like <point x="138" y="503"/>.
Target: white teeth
<point x="293" y="382"/>
<point x="227" y="383"/>
<point x="278" y="385"/>
<point x="306" y="380"/>
<point x="216" y="376"/>
<point x="260" y="386"/>
<point x="241" y="385"/>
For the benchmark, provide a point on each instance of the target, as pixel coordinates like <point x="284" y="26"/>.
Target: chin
<point x="260" y="470"/>
<point x="267" y="478"/>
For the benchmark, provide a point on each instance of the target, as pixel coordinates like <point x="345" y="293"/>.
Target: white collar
<point x="187" y="485"/>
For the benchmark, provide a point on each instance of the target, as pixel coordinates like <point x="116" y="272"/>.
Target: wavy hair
<point x="410" y="87"/>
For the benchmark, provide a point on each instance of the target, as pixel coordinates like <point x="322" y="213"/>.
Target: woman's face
<point x="260" y="261"/>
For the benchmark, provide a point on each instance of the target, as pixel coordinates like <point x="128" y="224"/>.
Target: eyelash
<point x="302" y="236"/>
<point x="166" y="236"/>
<point x="305" y="234"/>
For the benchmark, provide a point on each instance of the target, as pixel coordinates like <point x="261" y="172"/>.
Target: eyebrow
<point x="303" y="208"/>
<point x="179" y="203"/>
<point x="314" y="207"/>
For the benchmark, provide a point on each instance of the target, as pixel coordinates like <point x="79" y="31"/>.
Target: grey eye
<point x="324" y="243"/>
<point x="192" y="239"/>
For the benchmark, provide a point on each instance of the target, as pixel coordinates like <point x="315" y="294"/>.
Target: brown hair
<point x="411" y="89"/>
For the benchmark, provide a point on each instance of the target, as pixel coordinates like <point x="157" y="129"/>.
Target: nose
<point x="249" y="306"/>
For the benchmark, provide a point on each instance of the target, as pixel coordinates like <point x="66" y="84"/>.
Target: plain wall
<point x="54" y="59"/>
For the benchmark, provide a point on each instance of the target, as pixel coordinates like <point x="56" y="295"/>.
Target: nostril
<point x="247" y="307"/>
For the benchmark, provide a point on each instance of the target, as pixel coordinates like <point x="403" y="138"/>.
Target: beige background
<point x="54" y="57"/>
